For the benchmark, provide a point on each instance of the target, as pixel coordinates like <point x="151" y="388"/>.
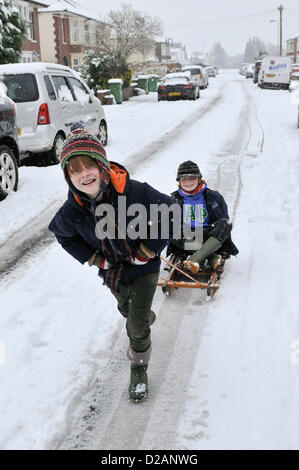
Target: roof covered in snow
<point x="70" y="6"/>
<point x="39" y="3"/>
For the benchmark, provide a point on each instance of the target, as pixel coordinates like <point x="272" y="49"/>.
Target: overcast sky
<point x="200" y="23"/>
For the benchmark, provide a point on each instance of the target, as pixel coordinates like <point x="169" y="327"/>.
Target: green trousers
<point x="134" y="303"/>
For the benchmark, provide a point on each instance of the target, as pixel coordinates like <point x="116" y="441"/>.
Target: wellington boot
<point x="138" y="388"/>
<point x="208" y="248"/>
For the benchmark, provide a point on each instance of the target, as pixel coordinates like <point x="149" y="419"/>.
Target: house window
<point x="76" y="63"/>
<point x="92" y="33"/>
<point x="31" y="32"/>
<point x="27" y="15"/>
<point x="86" y="32"/>
<point x="74" y="31"/>
<point x="64" y="30"/>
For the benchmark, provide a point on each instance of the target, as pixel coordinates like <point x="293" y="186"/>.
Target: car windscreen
<point x="21" y="87"/>
<point x="176" y="81"/>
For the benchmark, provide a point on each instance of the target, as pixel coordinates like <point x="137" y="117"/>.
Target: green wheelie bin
<point x="115" y="86"/>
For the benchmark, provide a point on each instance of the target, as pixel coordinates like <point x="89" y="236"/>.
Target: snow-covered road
<point x="223" y="373"/>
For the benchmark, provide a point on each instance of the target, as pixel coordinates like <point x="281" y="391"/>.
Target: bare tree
<point x="127" y="30"/>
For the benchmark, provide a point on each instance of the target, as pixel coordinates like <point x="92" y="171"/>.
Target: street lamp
<point x="276" y="21"/>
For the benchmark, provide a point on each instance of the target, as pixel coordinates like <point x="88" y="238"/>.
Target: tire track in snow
<point x="239" y="147"/>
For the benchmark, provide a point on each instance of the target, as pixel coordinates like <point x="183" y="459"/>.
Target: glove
<point x="139" y="260"/>
<point x="142" y="255"/>
<point x="98" y="260"/>
<point x="112" y="276"/>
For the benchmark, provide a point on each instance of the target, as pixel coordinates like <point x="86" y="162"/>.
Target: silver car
<point x="49" y="97"/>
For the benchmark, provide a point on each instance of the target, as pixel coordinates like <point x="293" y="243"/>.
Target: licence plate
<point x="268" y="75"/>
<point x="174" y="93"/>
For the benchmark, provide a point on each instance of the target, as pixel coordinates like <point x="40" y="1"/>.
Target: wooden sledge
<point x="206" y="279"/>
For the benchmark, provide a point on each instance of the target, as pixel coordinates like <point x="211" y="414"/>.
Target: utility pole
<point x="280" y="8"/>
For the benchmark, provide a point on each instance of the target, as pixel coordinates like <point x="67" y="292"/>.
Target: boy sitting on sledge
<point x="201" y="208"/>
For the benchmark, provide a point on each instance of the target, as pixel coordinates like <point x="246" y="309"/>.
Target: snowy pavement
<point x="224" y="374"/>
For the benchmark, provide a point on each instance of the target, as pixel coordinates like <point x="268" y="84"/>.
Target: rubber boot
<point x="152" y="318"/>
<point x="207" y="249"/>
<point x="138" y="388"/>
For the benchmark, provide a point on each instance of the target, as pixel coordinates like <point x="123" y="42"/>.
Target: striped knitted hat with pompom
<point x="81" y="142"/>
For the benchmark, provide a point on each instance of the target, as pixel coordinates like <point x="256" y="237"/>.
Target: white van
<point x="49" y="98"/>
<point x="275" y="72"/>
<point x="198" y="72"/>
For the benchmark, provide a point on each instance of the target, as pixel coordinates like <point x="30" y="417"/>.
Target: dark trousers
<point x="134" y="303"/>
<point x="220" y="230"/>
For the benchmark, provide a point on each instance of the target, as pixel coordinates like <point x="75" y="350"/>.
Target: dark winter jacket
<point x="75" y="222"/>
<point x="217" y="209"/>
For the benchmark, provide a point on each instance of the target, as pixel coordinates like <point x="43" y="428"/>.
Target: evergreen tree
<point x="12" y="33"/>
<point x="218" y="56"/>
<point x="254" y="49"/>
<point x="98" y="68"/>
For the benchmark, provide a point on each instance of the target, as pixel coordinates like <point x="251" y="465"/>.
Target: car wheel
<point x="9" y="175"/>
<point x="54" y="155"/>
<point x="103" y="134"/>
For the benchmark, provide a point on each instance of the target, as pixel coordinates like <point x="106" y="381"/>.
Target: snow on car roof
<point x="186" y="74"/>
<point x="189" y="67"/>
<point x="32" y="67"/>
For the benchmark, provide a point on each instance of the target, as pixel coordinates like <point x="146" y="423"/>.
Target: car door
<point x="22" y="88"/>
<point x="69" y="110"/>
<point x="88" y="107"/>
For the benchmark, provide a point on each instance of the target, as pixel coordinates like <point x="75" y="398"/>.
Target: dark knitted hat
<point x="79" y="143"/>
<point x="188" y="168"/>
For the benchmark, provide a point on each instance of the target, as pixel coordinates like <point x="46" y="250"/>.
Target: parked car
<point x="198" y="72"/>
<point x="257" y="67"/>
<point x="177" y="86"/>
<point x="249" y="71"/>
<point x="9" y="152"/>
<point x="275" y="72"/>
<point x="243" y="67"/>
<point x="211" y="71"/>
<point x="49" y="97"/>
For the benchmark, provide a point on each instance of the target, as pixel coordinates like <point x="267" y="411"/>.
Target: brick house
<point x="66" y="33"/>
<point x="28" y="10"/>
<point x="292" y="50"/>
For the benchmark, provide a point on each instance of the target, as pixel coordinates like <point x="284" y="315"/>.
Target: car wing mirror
<point x="91" y="96"/>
